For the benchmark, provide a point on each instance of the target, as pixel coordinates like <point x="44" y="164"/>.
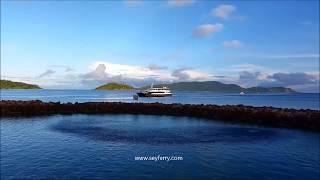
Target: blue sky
<point x="81" y="44"/>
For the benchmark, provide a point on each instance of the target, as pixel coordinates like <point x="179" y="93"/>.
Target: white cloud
<point x="246" y="75"/>
<point x="298" y="78"/>
<point x="233" y="44"/>
<point x="224" y="11"/>
<point x="207" y="29"/>
<point x="109" y="71"/>
<point x="67" y="68"/>
<point x="99" y="73"/>
<point x="300" y="81"/>
<point x="253" y="78"/>
<point x="132" y="71"/>
<point x="188" y="74"/>
<point x="180" y="3"/>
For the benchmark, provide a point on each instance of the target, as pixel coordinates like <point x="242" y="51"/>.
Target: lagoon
<point x="100" y="146"/>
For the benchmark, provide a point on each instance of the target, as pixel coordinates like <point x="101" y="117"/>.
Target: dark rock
<point x="267" y="116"/>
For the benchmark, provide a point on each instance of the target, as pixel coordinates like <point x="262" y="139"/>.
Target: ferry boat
<point x="155" y="92"/>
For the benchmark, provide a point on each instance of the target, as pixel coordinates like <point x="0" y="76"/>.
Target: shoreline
<point x="303" y="119"/>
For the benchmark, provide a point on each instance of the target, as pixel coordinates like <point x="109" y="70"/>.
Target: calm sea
<point x="91" y="146"/>
<point x="106" y="146"/>
<point x="294" y="100"/>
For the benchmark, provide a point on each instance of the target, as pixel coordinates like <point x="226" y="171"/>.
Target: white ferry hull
<point x="140" y="94"/>
<point x="155" y="92"/>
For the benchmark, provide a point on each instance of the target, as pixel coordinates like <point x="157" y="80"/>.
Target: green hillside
<point x="215" y="86"/>
<point x="114" y="86"/>
<point x="5" y="84"/>
<point x="270" y="90"/>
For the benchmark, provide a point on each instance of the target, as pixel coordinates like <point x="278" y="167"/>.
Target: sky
<point x="83" y="44"/>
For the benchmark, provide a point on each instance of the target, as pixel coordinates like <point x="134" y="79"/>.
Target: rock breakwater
<point x="265" y="116"/>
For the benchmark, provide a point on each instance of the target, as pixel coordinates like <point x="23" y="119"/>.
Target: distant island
<point x="212" y="86"/>
<point x="6" y="84"/>
<point x="215" y="86"/>
<point x="114" y="86"/>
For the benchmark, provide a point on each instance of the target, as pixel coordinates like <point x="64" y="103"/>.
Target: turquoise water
<point x="295" y="100"/>
<point x="105" y="147"/>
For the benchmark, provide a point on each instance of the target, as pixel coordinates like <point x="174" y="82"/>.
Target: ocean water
<point x="292" y="100"/>
<point x="105" y="147"/>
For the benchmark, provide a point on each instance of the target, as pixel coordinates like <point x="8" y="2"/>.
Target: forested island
<point x="211" y="86"/>
<point x="215" y="86"/>
<point x="6" y="84"/>
<point x="114" y="86"/>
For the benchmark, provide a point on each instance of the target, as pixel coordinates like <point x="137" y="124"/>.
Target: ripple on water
<point x="128" y="132"/>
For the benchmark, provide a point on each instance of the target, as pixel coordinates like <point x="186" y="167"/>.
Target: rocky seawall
<point x="265" y="116"/>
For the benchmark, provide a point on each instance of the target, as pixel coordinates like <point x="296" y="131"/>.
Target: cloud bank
<point x="246" y="75"/>
<point x="104" y="72"/>
<point x="300" y="81"/>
